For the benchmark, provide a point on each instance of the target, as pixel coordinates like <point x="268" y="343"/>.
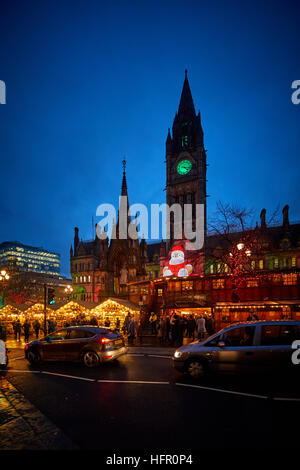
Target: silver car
<point x="244" y="347"/>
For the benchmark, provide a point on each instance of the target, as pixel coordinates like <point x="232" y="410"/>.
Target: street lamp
<point x="68" y="290"/>
<point x="4" y="276"/>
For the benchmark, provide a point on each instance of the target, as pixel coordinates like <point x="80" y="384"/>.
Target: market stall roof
<point x="37" y="308"/>
<point x="112" y="302"/>
<point x="73" y="307"/>
<point x="10" y="310"/>
<point x="125" y="303"/>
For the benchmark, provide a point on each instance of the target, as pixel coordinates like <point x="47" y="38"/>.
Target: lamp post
<point x="68" y="291"/>
<point x="3" y="277"/>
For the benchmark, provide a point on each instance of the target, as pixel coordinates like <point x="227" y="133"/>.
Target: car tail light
<point x="107" y="357"/>
<point x="105" y="340"/>
<point x="26" y="347"/>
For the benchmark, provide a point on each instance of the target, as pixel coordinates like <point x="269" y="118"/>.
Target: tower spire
<point x="124" y="182"/>
<point x="124" y="217"/>
<point x="186" y="105"/>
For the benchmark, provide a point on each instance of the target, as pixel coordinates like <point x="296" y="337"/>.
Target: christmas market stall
<point x="36" y="312"/>
<point x="70" y="312"/>
<point x="8" y="314"/>
<point x="114" y="310"/>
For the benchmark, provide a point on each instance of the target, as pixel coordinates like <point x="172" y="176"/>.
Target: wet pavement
<point x="141" y="401"/>
<point x="22" y="426"/>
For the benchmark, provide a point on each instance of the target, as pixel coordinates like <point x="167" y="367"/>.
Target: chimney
<point x="285" y="216"/>
<point x="263" y="225"/>
<point x="162" y="249"/>
<point x="76" y="240"/>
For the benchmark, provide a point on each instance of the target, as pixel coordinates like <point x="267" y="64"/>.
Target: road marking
<point x="26" y="371"/>
<point x="133" y="382"/>
<point x="68" y="376"/>
<point x="224" y="391"/>
<point x="134" y="354"/>
<point x="156" y="355"/>
<point x="286" y="399"/>
<point x="16" y="358"/>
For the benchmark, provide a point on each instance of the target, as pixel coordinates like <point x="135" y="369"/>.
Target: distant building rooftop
<point x="28" y="258"/>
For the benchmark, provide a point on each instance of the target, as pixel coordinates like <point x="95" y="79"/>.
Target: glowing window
<point x="289" y="279"/>
<point x="218" y="284"/>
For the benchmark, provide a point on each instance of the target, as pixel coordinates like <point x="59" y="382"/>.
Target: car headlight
<point x="177" y="354"/>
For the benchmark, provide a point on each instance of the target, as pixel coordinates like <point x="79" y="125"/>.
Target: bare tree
<point x="234" y="243"/>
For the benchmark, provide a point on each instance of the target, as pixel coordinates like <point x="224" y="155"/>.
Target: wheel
<point x="33" y="357"/>
<point x="196" y="368"/>
<point x="90" y="359"/>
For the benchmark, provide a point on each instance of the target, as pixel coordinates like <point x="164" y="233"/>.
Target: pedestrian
<point x="2" y="332"/>
<point x="37" y="327"/>
<point x="94" y="321"/>
<point x="107" y="322"/>
<point x="252" y="316"/>
<point x="153" y="320"/>
<point x="174" y="329"/>
<point x="131" y="331"/>
<point x="118" y="323"/>
<point x="167" y="327"/>
<point x="201" y="327"/>
<point x="191" y="327"/>
<point x="181" y="330"/>
<point x="161" y="330"/>
<point x="126" y="324"/>
<point x="210" y="325"/>
<point x="26" y="328"/>
<point x="14" y="325"/>
<point x="18" y="329"/>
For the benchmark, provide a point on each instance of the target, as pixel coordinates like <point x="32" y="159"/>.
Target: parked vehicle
<point x="258" y="346"/>
<point x="3" y="355"/>
<point x="90" y="344"/>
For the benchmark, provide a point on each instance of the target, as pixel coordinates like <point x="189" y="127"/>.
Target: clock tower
<point x="186" y="159"/>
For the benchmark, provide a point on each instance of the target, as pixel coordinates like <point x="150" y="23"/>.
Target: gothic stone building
<point x="271" y="288"/>
<point x="100" y="269"/>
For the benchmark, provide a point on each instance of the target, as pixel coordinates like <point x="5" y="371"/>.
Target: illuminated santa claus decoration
<point x="177" y="265"/>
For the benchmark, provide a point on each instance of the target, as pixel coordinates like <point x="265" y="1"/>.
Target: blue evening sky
<point x="91" y="81"/>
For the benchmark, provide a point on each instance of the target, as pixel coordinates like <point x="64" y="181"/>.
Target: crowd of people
<point x="171" y="329"/>
<point x="31" y="328"/>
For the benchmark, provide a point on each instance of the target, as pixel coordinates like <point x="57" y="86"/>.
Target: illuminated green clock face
<point x="184" y="167"/>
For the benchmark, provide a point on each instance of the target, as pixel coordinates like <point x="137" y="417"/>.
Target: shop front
<point x="226" y="313"/>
